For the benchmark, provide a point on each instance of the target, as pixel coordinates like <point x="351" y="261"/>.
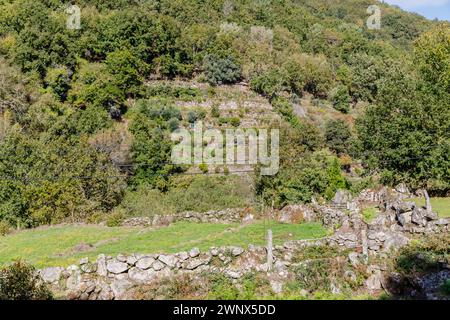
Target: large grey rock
<point x="236" y="251"/>
<point x="192" y="264"/>
<point x="141" y="276"/>
<point x="442" y="222"/>
<point x="418" y="217"/>
<point x="116" y="267"/>
<point x="277" y="286"/>
<point x="51" y="274"/>
<point x="374" y="282"/>
<point x="404" y="218"/>
<point x="158" y="265"/>
<point x="342" y="197"/>
<point x="395" y="240"/>
<point x="194" y="252"/>
<point x="121" y="258"/>
<point x="74" y="279"/>
<point x="183" y="256"/>
<point x="120" y="287"/>
<point x="101" y="265"/>
<point x="403" y="206"/>
<point x="233" y="274"/>
<point x="88" y="267"/>
<point x="145" y="262"/>
<point x="131" y="260"/>
<point x="105" y="292"/>
<point x="354" y="259"/>
<point x="169" y="260"/>
<point x="430" y="215"/>
<point x="296" y="213"/>
<point x="402" y="188"/>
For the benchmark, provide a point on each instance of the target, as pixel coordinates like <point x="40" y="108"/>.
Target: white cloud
<point x="412" y="4"/>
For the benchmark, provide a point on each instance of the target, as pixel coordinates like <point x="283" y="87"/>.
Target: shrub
<point x="221" y="70"/>
<point x="314" y="276"/>
<point x="5" y="228"/>
<point x="369" y="214"/>
<point x="203" y="167"/>
<point x="234" y="121"/>
<point x="184" y="93"/>
<point x="269" y="84"/>
<point x="215" y="112"/>
<point x="341" y="99"/>
<point x="190" y="193"/>
<point x="445" y="288"/>
<point x="58" y="80"/>
<point x="222" y="288"/>
<point x="115" y="219"/>
<point x="20" y="281"/>
<point x="92" y="120"/>
<point x="308" y="73"/>
<point x="423" y="256"/>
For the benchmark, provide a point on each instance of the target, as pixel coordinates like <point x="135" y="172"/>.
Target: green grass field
<point x="56" y="246"/>
<point x="439" y="205"/>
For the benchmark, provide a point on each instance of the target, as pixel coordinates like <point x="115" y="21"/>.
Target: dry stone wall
<point x="214" y="216"/>
<point x="109" y="277"/>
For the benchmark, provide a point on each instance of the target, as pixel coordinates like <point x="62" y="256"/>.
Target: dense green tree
<point x="308" y="73"/>
<point x="313" y="175"/>
<point x="51" y="179"/>
<point x="58" y="80"/>
<point x="405" y="135"/>
<point x="127" y="70"/>
<point x="337" y="136"/>
<point x="94" y="86"/>
<point x="432" y="54"/>
<point x="341" y="99"/>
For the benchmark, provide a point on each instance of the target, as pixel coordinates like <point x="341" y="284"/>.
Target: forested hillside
<point x="86" y="114"/>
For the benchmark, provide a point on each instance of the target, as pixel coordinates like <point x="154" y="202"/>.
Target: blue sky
<point x="429" y="8"/>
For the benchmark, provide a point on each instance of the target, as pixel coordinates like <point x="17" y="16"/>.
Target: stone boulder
<point x="403" y="189"/>
<point x="342" y="197"/>
<point x="418" y="217"/>
<point x="145" y="262"/>
<point x="296" y="213"/>
<point x="395" y="240"/>
<point x="404" y="218"/>
<point x="141" y="276"/>
<point x="116" y="267"/>
<point x="192" y="264"/>
<point x="194" y="252"/>
<point x="120" y="288"/>
<point x="169" y="260"/>
<point x="52" y="274"/>
<point x="403" y="206"/>
<point x="374" y="282"/>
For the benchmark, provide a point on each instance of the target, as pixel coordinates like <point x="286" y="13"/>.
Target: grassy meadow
<point x="64" y="245"/>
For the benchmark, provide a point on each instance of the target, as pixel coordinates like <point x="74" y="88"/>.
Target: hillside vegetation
<point x="86" y="114"/>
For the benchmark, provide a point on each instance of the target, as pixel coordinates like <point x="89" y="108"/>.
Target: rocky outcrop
<point x="296" y="213"/>
<point x="408" y="217"/>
